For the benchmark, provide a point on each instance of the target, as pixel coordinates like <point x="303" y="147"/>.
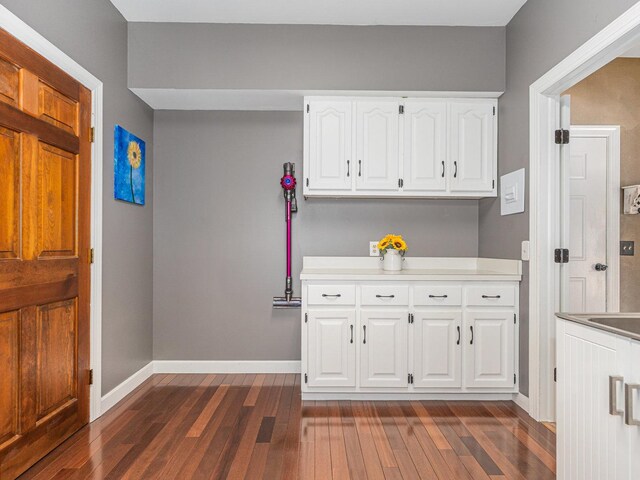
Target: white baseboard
<point x="125" y="388"/>
<point x="406" y="396"/>
<point x="226" y="366"/>
<point x="521" y="401"/>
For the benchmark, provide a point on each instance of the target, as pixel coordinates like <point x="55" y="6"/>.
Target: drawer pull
<point x="438" y="296"/>
<point x="458" y="342"/>
<point x="471" y="327"/>
<point x="385" y="296"/>
<point x="337" y="295"/>
<point x="490" y="296"/>
<point x="364" y="337"/>
<point x="613" y="396"/>
<point x="629" y="418"/>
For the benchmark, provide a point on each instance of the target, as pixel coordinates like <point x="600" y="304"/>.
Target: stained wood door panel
<point x="9" y="380"/>
<point x="45" y="178"/>
<point x="9" y="82"/>
<point x="9" y="193"/>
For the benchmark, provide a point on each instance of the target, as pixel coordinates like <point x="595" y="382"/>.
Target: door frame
<point x="30" y="37"/>
<point x="612" y="135"/>
<point x="544" y="202"/>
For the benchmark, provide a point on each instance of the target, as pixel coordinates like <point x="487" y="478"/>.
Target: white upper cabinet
<point x="330" y="165"/>
<point x="400" y="147"/>
<point x="425" y="146"/>
<point x="377" y="145"/>
<point x="472" y="130"/>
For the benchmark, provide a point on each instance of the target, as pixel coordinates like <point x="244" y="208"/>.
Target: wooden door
<point x="332" y="348"/>
<point x="489" y="340"/>
<point x="377" y="145"/>
<point x="45" y="157"/>
<point x="425" y="146"/>
<point x="437" y="347"/>
<point x="330" y="162"/>
<point x="472" y="127"/>
<point x="384" y="348"/>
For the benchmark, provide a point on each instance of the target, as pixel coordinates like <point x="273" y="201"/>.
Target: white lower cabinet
<point x="437" y="343"/>
<point x="383" y="349"/>
<point x="332" y="353"/>
<point x="594" y="441"/>
<point x="489" y="341"/>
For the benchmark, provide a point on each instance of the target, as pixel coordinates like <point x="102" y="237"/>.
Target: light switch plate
<point x="373" y="249"/>
<point x="512" y="192"/>
<point x="524" y="252"/>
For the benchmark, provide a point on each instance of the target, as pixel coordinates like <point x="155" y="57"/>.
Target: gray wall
<point x="541" y="34"/>
<point x="94" y="34"/>
<point x="285" y="57"/>
<point x="219" y="233"/>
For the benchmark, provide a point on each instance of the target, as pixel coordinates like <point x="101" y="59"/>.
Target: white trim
<point x="497" y="397"/>
<point x="522" y="401"/>
<point x="23" y="32"/>
<point x="612" y="41"/>
<point x="612" y="135"/>
<point x="226" y="366"/>
<point x="126" y="387"/>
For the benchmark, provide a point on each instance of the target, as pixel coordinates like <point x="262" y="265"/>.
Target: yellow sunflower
<point x="134" y="154"/>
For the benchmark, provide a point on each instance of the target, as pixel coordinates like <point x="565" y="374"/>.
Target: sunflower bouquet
<point x="392" y="242"/>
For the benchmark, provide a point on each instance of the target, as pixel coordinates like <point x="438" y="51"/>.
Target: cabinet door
<point x="383" y="360"/>
<point x="330" y="142"/>
<point x="634" y="430"/>
<point x="437" y="349"/>
<point x="593" y="441"/>
<point x="425" y="143"/>
<point x="332" y="353"/>
<point x="489" y="344"/>
<point x="472" y="146"/>
<point x="377" y="125"/>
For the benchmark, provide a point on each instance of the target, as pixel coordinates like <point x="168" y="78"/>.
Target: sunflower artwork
<point x="129" y="167"/>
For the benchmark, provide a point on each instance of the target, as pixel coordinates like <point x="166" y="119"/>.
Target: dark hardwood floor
<point x="255" y="426"/>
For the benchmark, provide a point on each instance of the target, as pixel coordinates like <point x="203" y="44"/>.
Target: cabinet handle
<point x="613" y="396"/>
<point x="438" y="296"/>
<point x="490" y="296"/>
<point x="629" y="418"/>
<point x="351" y="333"/>
<point x="337" y="295"/>
<point x="455" y="173"/>
<point x="348" y="169"/>
<point x="359" y="168"/>
<point x="443" y="169"/>
<point x="385" y="296"/>
<point x="471" y="327"/>
<point x="364" y="337"/>
<point x="458" y="342"/>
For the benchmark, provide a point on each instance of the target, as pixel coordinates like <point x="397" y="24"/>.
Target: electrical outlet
<point x="627" y="248"/>
<point x="373" y="249"/>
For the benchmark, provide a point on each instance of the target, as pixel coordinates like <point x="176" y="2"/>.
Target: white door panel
<point x="377" y="140"/>
<point x="437" y="349"/>
<point x="383" y="349"/>
<point x="587" y="224"/>
<point x="332" y="353"/>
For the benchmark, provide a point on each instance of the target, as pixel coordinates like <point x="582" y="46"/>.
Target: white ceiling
<point x="323" y="12"/>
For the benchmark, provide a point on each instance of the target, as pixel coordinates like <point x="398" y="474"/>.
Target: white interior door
<point x="593" y="209"/>
<point x="377" y="140"/>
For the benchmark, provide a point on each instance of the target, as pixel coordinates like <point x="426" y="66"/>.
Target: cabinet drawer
<point x="491" y="295"/>
<point x="437" y="295"/>
<point x="331" y="294"/>
<point x="385" y="295"/>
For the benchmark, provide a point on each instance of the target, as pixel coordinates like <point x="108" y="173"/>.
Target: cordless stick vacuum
<point x="288" y="184"/>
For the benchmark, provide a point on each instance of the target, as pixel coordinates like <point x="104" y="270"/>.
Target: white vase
<point x="392" y="261"/>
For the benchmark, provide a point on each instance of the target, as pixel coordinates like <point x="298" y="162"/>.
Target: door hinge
<point x="400" y="183"/>
<point x="401" y="109"/>
<point x="561" y="255"/>
<point x="92" y="134"/>
<point x="514" y="378"/>
<point x="411" y="318"/>
<point x="410" y="378"/>
<point x="91" y="256"/>
<point x="562" y="137"/>
<point x="306" y="379"/>
<point x="307" y="108"/>
<point x="91" y="376"/>
<point x="306" y="318"/>
<point x="555" y="374"/>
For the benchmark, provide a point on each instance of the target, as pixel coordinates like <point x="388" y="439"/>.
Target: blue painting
<point x="129" y="163"/>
